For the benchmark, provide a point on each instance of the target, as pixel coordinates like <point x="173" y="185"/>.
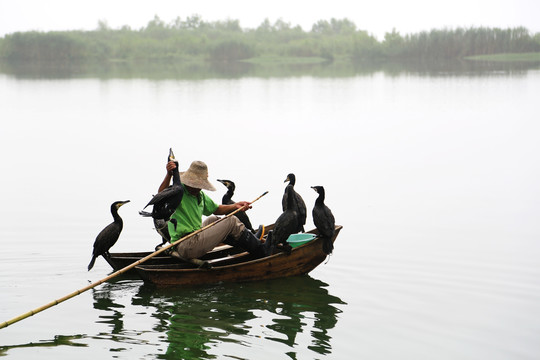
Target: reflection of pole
<point x="121" y="271"/>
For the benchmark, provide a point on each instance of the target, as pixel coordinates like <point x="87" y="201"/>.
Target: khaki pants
<point x="198" y="245"/>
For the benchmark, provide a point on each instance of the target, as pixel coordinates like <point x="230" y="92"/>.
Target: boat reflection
<point x="201" y="322"/>
<point x="197" y="320"/>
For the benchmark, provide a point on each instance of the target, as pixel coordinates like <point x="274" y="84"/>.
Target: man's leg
<point x="206" y="240"/>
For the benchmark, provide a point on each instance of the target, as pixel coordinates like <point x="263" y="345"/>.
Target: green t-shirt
<point x="189" y="214"/>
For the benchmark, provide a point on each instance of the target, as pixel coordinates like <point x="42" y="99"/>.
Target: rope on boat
<point x="121" y="271"/>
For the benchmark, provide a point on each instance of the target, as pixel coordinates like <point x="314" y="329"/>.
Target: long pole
<point x="121" y="271"/>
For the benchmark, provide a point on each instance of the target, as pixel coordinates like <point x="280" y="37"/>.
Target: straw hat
<point x="197" y="176"/>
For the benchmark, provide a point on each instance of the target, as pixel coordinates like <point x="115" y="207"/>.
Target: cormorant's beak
<point x="222" y="181"/>
<point x="123" y="203"/>
<point x="171" y="155"/>
<point x="287" y="179"/>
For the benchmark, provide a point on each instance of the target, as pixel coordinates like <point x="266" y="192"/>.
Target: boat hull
<point x="301" y="260"/>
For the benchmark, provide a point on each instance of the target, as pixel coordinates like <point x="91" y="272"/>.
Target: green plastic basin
<point x="299" y="239"/>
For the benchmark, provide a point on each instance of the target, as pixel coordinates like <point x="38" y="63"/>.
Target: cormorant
<point x="227" y="199"/>
<point x="287" y="223"/>
<point x="109" y="235"/>
<point x="165" y="202"/>
<point x="299" y="203"/>
<point x="324" y="220"/>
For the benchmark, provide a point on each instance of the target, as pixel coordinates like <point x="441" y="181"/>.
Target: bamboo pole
<point x="121" y="271"/>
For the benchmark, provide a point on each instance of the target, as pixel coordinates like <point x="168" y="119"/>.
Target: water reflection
<point x="197" y="320"/>
<point x="104" y="300"/>
<point x="58" y="340"/>
<point x="163" y="70"/>
<point x="237" y="313"/>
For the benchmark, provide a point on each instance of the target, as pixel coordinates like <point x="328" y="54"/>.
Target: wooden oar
<point x="121" y="271"/>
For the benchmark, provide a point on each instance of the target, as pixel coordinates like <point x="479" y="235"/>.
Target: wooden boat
<point x="240" y="267"/>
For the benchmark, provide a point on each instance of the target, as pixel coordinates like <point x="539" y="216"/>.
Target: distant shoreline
<point x="196" y="41"/>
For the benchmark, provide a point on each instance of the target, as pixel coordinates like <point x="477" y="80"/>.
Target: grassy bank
<point x="280" y="60"/>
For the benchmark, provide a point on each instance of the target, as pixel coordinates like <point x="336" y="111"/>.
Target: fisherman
<point x="196" y="203"/>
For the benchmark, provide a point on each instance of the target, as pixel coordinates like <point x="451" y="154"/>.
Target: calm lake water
<point x="434" y="176"/>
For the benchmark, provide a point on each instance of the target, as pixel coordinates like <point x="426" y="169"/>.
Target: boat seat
<point x="227" y="259"/>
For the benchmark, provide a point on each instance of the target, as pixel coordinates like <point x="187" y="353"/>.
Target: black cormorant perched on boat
<point x="109" y="235"/>
<point x="287" y="223"/>
<point x="227" y="199"/>
<point x="324" y="220"/>
<point x="165" y="203"/>
<point x="299" y="203"/>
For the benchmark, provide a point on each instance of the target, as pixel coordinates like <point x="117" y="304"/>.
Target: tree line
<point x="193" y="39"/>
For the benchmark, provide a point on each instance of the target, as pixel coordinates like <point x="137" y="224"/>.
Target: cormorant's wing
<point x="107" y="238"/>
<point x="286" y="224"/>
<point x="302" y="210"/>
<point x="164" y="194"/>
<point x="324" y="221"/>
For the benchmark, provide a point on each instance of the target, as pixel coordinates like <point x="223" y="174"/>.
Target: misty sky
<point x="376" y="17"/>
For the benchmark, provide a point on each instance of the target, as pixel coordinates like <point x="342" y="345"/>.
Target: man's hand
<point x="170" y="166"/>
<point x="243" y="204"/>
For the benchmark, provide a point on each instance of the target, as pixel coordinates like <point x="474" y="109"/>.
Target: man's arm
<point x="227" y="209"/>
<point x="167" y="180"/>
